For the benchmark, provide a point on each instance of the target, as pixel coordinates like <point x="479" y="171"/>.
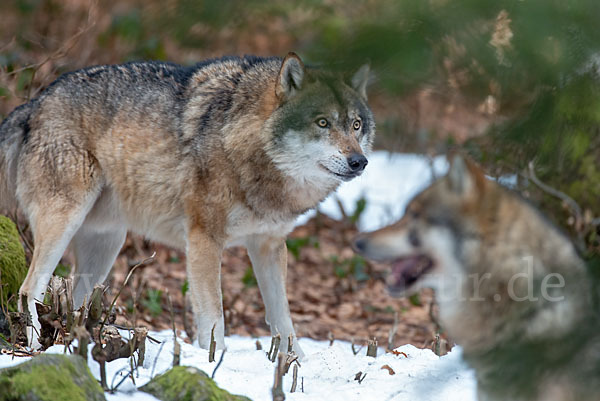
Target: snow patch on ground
<point x="327" y="373"/>
<point x="389" y="182"/>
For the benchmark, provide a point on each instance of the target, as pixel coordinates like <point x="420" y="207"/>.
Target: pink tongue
<point x="407" y="271"/>
<point x="401" y="267"/>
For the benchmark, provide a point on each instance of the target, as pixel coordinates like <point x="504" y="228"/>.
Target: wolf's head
<point x="427" y="246"/>
<point x="323" y="127"/>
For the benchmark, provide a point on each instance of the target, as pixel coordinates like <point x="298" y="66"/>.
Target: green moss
<point x="50" y="377"/>
<point x="13" y="267"/>
<point x="188" y="384"/>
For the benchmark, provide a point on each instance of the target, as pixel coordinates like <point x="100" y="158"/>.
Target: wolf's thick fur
<point x="229" y="151"/>
<point x="511" y="289"/>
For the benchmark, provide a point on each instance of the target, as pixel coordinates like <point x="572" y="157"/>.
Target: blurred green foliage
<point x="62" y="270"/>
<point x="248" y="278"/>
<point x="361" y="205"/>
<point x="152" y="301"/>
<point x="185" y="287"/>
<point x="356" y="267"/>
<point x="294" y="245"/>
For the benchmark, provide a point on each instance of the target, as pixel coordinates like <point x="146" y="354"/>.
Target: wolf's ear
<point x="360" y="79"/>
<point x="460" y="179"/>
<point x="290" y="77"/>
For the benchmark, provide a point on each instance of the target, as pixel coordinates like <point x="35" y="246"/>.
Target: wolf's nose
<point x="357" y="162"/>
<point x="360" y="244"/>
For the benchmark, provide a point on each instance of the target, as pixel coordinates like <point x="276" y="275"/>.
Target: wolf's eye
<point x="356" y="125"/>
<point x="322" y="122"/>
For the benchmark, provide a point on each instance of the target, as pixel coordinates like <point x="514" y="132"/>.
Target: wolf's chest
<point x="242" y="222"/>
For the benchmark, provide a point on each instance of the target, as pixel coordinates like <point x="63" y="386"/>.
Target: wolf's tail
<point x="13" y="132"/>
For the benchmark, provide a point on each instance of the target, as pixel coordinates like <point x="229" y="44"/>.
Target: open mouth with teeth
<point x="406" y="271"/>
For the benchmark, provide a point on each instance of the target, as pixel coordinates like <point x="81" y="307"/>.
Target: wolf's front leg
<point x="269" y="261"/>
<point x="204" y="277"/>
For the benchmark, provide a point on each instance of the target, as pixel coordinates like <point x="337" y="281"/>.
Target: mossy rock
<point x="50" y="377"/>
<point x="185" y="383"/>
<point x="13" y="267"/>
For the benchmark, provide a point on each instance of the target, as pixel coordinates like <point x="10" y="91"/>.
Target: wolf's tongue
<point x="406" y="271"/>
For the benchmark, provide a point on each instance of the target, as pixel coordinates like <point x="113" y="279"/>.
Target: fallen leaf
<point x="389" y="369"/>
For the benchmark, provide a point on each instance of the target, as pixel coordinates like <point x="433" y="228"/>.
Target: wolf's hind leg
<point x="58" y="183"/>
<point x="53" y="225"/>
<point x="269" y="261"/>
<point x="95" y="254"/>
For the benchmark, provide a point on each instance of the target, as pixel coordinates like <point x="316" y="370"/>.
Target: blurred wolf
<point x="511" y="289"/>
<point x="227" y="152"/>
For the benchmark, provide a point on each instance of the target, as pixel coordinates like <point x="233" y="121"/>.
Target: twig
<point x="114" y="388"/>
<point x="341" y="207"/>
<point x="83" y="339"/>
<point x="294" y="379"/>
<point x="60" y="52"/>
<point x="359" y="377"/>
<point x="274" y="350"/>
<point x="176" y="346"/>
<point x="94" y="309"/>
<point x="372" y="347"/>
<point x="556" y="193"/>
<point x="277" y="391"/>
<point x="213" y="345"/>
<point x="156" y="358"/>
<point x="354" y="350"/>
<point x="570" y="202"/>
<point x="290" y="358"/>
<point x="218" y="364"/>
<point x="439" y="345"/>
<point x="140" y="335"/>
<point x="112" y="304"/>
<point x="121" y="327"/>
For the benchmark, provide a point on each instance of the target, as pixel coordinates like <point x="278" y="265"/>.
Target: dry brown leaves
<point x="326" y="296"/>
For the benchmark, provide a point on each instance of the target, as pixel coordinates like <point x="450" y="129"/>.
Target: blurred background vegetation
<point x="514" y="83"/>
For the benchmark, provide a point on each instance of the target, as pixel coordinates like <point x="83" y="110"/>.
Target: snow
<point x="388" y="184"/>
<point x="328" y="372"/>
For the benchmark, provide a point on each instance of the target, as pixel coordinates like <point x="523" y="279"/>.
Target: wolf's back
<point x="13" y="133"/>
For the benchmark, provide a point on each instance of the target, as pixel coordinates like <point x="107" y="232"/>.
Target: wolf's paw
<point x="203" y="338"/>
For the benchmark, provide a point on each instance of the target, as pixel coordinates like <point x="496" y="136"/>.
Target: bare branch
<point x="218" y="364"/>
<point x="112" y="304"/>
<point x="557" y="194"/>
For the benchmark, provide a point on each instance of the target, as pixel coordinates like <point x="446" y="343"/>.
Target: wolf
<point x="512" y="290"/>
<point x="227" y="152"/>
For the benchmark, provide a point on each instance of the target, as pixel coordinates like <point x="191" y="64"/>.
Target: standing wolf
<point x="227" y="152"/>
<point x="511" y="289"/>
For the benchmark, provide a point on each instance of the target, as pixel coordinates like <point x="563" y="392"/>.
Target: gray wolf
<point x="511" y="288"/>
<point x="227" y="152"/>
